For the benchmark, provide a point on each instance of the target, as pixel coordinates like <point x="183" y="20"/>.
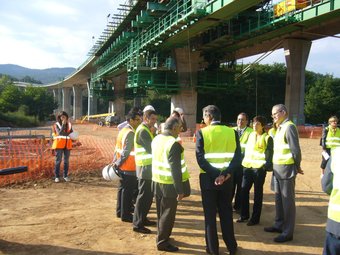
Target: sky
<point x="41" y="34"/>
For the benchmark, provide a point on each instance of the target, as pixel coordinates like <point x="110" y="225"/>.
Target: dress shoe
<point x="210" y="252"/>
<point x="168" y="247"/>
<point x="252" y="223"/>
<point x="239" y="220"/>
<point x="233" y="251"/>
<point x="127" y="219"/>
<point x="272" y="230"/>
<point x="149" y="223"/>
<point x="282" y="239"/>
<point x="142" y="230"/>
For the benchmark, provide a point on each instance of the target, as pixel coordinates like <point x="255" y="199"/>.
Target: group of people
<point x="155" y="165"/>
<point x="230" y="160"/>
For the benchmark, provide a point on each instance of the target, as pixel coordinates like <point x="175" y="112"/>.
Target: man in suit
<point x="243" y="132"/>
<point x="143" y="158"/>
<point x="217" y="153"/>
<point x="286" y="165"/>
<point x="171" y="180"/>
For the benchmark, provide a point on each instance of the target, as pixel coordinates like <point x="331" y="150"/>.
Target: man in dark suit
<point x="218" y="153"/>
<point x="286" y="165"/>
<point x="171" y="180"/>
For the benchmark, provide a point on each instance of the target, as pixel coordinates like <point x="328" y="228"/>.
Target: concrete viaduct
<point x="167" y="45"/>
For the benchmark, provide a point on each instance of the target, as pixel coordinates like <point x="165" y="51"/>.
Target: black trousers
<point x="257" y="177"/>
<point x="237" y="187"/>
<point x="218" y="201"/>
<point x="166" y="214"/>
<point x="324" y="161"/>
<point x="143" y="202"/>
<point x="125" y="195"/>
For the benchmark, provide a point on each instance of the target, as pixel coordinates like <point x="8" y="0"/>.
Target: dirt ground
<point x="76" y="218"/>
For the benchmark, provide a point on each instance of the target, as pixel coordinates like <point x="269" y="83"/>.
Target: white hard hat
<point x="179" y="110"/>
<point x="148" y="108"/>
<point x="74" y="135"/>
<point x="110" y="173"/>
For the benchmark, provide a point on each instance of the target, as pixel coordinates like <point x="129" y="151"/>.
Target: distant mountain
<point x="46" y="76"/>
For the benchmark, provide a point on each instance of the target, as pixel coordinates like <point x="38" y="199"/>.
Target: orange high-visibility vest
<point x="129" y="164"/>
<point x="62" y="141"/>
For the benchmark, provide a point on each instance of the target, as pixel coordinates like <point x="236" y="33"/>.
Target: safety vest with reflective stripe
<point x="142" y="157"/>
<point x="244" y="138"/>
<point x="62" y="141"/>
<point x="282" y="153"/>
<point x="219" y="145"/>
<point x="161" y="171"/>
<point x="129" y="164"/>
<point x="255" y="156"/>
<point x="334" y="200"/>
<point x="333" y="139"/>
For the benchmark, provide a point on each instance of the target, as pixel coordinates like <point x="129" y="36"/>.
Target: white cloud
<point x="54" y="7"/>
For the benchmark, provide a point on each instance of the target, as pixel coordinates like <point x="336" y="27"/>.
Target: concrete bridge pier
<point x="92" y="101"/>
<point x="66" y="106"/>
<point x="187" y="65"/>
<point x="77" y="102"/>
<point x="296" y="54"/>
<point x="58" y="98"/>
<point x="118" y="107"/>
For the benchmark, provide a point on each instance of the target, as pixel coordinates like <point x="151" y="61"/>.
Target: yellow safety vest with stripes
<point x="255" y="156"/>
<point x="219" y="146"/>
<point x="334" y="200"/>
<point x="333" y="139"/>
<point x="244" y="138"/>
<point x="142" y="157"/>
<point x="282" y="153"/>
<point x="161" y="171"/>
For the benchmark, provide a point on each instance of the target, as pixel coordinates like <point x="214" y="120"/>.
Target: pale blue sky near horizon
<point x="42" y="34"/>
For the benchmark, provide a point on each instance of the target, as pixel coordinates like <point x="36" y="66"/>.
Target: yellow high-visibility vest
<point x="282" y="153"/>
<point x="254" y="156"/>
<point x="161" y="171"/>
<point x="142" y="157"/>
<point x="219" y="145"/>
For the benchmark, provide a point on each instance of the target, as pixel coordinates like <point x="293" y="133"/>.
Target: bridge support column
<point x="296" y="53"/>
<point x="77" y="102"/>
<point x="57" y="94"/>
<point x="66" y="92"/>
<point x="92" y="101"/>
<point x="119" y="89"/>
<point x="187" y="65"/>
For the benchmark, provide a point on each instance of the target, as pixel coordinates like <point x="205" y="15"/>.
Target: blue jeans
<point x="58" y="158"/>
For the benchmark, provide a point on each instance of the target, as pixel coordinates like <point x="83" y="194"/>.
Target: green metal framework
<point x="143" y="51"/>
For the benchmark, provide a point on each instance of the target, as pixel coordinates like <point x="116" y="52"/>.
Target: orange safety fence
<point x="93" y="154"/>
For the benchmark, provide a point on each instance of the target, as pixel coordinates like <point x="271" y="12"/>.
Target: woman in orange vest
<point x="62" y="144"/>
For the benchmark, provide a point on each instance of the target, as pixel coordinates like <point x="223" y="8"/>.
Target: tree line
<point x="24" y="106"/>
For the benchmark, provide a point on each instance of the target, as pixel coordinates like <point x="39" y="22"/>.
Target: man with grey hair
<point x="170" y="178"/>
<point x="218" y="153"/>
<point x="286" y="165"/>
